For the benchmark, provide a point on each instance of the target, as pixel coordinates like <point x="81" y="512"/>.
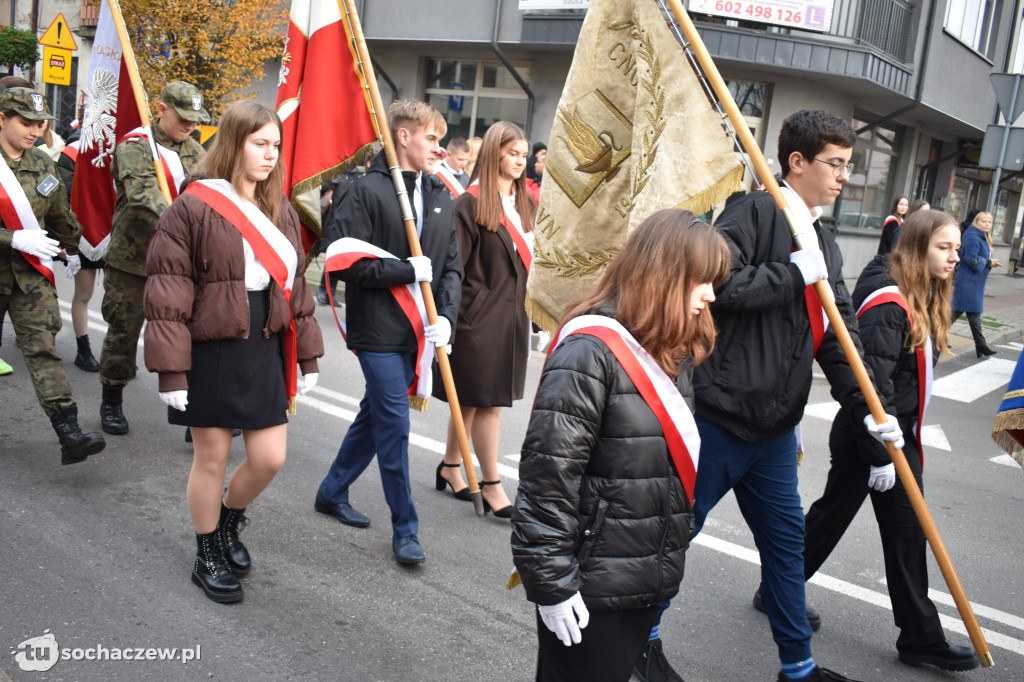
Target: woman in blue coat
<point x="969" y="286"/>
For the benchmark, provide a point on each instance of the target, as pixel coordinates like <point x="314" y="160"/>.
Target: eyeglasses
<point x="838" y="167"/>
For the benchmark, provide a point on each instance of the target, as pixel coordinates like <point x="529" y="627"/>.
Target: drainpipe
<point x="512" y="69"/>
<point x="920" y="79"/>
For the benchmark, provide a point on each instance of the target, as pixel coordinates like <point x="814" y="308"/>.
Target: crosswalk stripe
<point x="969" y="384"/>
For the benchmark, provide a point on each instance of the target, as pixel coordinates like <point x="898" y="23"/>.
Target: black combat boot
<point x="85" y="360"/>
<point x="75" y="446"/>
<point x="231" y="521"/>
<point x="211" y="571"/>
<point x="111" y="417"/>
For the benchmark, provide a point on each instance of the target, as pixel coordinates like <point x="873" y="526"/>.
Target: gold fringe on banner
<point x="716" y="194"/>
<point x="417" y="403"/>
<point x="1008" y="424"/>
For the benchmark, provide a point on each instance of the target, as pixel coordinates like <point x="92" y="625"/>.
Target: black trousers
<point x="974" y="321"/>
<point x="903" y="541"/>
<point x="611" y="644"/>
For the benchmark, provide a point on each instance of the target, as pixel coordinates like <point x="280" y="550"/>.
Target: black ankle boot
<point x="111" y="417"/>
<point x="75" y="446"/>
<point x="85" y="360"/>
<point x="211" y="571"/>
<point x="231" y="521"/>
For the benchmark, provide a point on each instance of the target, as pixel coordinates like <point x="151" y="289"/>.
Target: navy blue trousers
<point x="763" y="478"/>
<point x="381" y="428"/>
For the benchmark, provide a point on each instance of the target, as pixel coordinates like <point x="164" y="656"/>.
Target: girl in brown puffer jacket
<point x="229" y="322"/>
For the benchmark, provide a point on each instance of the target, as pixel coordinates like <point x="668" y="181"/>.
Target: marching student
<point x="903" y="310"/>
<point x="229" y="321"/>
<point x="392" y="343"/>
<point x="892" y="224"/>
<point x="36" y="224"/>
<point x="603" y="515"/>
<point x="491" y="344"/>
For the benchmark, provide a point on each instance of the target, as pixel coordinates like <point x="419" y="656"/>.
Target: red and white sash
<point x="815" y="311"/>
<point x="173" y="169"/>
<point x="448" y="180"/>
<point x="655" y="386"/>
<point x="892" y="217"/>
<point x="270" y="247"/>
<point x="71" y="150"/>
<point x="518" y="236"/>
<point x="16" y="212"/>
<point x="925" y="373"/>
<point x="341" y="255"/>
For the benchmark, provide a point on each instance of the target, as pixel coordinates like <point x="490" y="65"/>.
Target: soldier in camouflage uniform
<point x="26" y="290"/>
<point x="139" y="205"/>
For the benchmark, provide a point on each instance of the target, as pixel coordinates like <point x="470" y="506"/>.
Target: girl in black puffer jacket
<point x="603" y="515"/>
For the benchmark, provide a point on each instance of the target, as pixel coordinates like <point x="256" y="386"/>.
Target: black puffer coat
<point x="600" y="509"/>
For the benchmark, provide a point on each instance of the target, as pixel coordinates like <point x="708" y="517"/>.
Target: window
<point x="868" y="193"/>
<point x="972" y="22"/>
<point x="473" y="95"/>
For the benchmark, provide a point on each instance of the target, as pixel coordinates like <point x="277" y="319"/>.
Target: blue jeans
<point x="764" y="480"/>
<point x="381" y="428"/>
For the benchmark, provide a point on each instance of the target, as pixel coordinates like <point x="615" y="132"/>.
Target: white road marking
<point x="1005" y="459"/>
<point x="880" y="599"/>
<point x="931" y="435"/>
<point x="969" y="384"/>
<point x="826" y="411"/>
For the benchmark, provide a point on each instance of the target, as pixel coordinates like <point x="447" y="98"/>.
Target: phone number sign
<point x="809" y="16"/>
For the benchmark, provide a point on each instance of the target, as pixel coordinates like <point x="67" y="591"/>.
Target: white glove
<point x="74" y="265"/>
<point x="890" y="431"/>
<point x="811" y="263"/>
<point x="308" y="382"/>
<point x="176" y="399"/>
<point x="438" y="333"/>
<point x="421" y="266"/>
<point x="35" y="243"/>
<point x="561" y="620"/>
<point x="882" y="478"/>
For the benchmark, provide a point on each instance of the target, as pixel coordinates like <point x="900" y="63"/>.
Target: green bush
<point x="18" y="48"/>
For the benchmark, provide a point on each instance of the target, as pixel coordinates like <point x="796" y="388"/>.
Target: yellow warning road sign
<point x="59" y="35"/>
<point x="56" y="66"/>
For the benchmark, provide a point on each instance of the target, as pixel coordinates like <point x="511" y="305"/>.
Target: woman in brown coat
<point x="491" y="342"/>
<point x="229" y="322"/>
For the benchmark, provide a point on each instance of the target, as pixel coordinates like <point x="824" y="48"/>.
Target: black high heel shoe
<point x="984" y="351"/>
<point x="503" y="513"/>
<point x="441" y="483"/>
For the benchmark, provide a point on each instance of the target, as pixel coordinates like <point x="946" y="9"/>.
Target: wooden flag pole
<point x="841" y="332"/>
<point x="140" y="94"/>
<point x="384" y="133"/>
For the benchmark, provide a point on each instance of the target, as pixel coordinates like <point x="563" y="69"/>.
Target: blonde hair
<point x="927" y="297"/>
<point x="988" y="235"/>
<point x="413" y="115"/>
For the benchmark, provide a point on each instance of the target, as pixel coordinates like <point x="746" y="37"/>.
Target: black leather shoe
<point x="85" y="360"/>
<point x="112" y="418"/>
<point x="652" y="666"/>
<point x="813" y="617"/>
<point x="75" y="446"/>
<point x="232" y="521"/>
<point x="321" y="297"/>
<point x="441" y="483"/>
<point x="819" y="675"/>
<point x="341" y="511"/>
<point x="943" y="655"/>
<point x="503" y="513"/>
<point x="408" y="550"/>
<point x="211" y="572"/>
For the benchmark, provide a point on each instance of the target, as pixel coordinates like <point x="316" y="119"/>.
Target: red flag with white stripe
<point x="103" y="124"/>
<point x="322" y="104"/>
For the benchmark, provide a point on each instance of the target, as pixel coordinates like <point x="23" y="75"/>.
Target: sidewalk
<point x="1003" y="318"/>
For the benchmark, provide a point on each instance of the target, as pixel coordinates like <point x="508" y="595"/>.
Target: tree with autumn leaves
<point x="220" y="46"/>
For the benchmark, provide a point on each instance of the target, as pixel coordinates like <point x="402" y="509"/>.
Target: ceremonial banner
<point x="323" y="105"/>
<point x="1008" y="430"/>
<point x="634" y="133"/>
<point x="103" y="124"/>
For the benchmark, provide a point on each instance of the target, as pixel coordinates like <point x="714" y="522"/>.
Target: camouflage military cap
<point x="26" y="102"/>
<point x="186" y="100"/>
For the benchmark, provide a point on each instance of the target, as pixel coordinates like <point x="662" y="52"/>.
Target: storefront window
<point x="472" y="95"/>
<point x="868" y="193"/>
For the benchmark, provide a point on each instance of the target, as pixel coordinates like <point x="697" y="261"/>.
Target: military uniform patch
<point x="47" y="185"/>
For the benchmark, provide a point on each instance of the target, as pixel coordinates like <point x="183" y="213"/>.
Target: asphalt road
<point x="99" y="554"/>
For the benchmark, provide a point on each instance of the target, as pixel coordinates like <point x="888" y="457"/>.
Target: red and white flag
<point x="103" y="124"/>
<point x="323" y="105"/>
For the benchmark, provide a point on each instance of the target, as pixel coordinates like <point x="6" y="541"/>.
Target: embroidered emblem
<point x="37" y="102"/>
<point x="197" y="102"/>
<point x="99" y="119"/>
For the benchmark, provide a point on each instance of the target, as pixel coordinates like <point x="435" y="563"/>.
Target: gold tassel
<point x="417" y="403"/>
<point x="291" y="405"/>
<point x="540" y="317"/>
<point x="799" y="457"/>
<point x="514" y="580"/>
<point x="716" y="194"/>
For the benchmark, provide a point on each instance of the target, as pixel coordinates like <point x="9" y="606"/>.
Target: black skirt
<point x="237" y="383"/>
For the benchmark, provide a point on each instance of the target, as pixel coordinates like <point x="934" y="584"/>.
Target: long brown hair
<point x="226" y="160"/>
<point x="927" y="297"/>
<point x="488" y="170"/>
<point x="895" y="206"/>
<point x="650" y="283"/>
